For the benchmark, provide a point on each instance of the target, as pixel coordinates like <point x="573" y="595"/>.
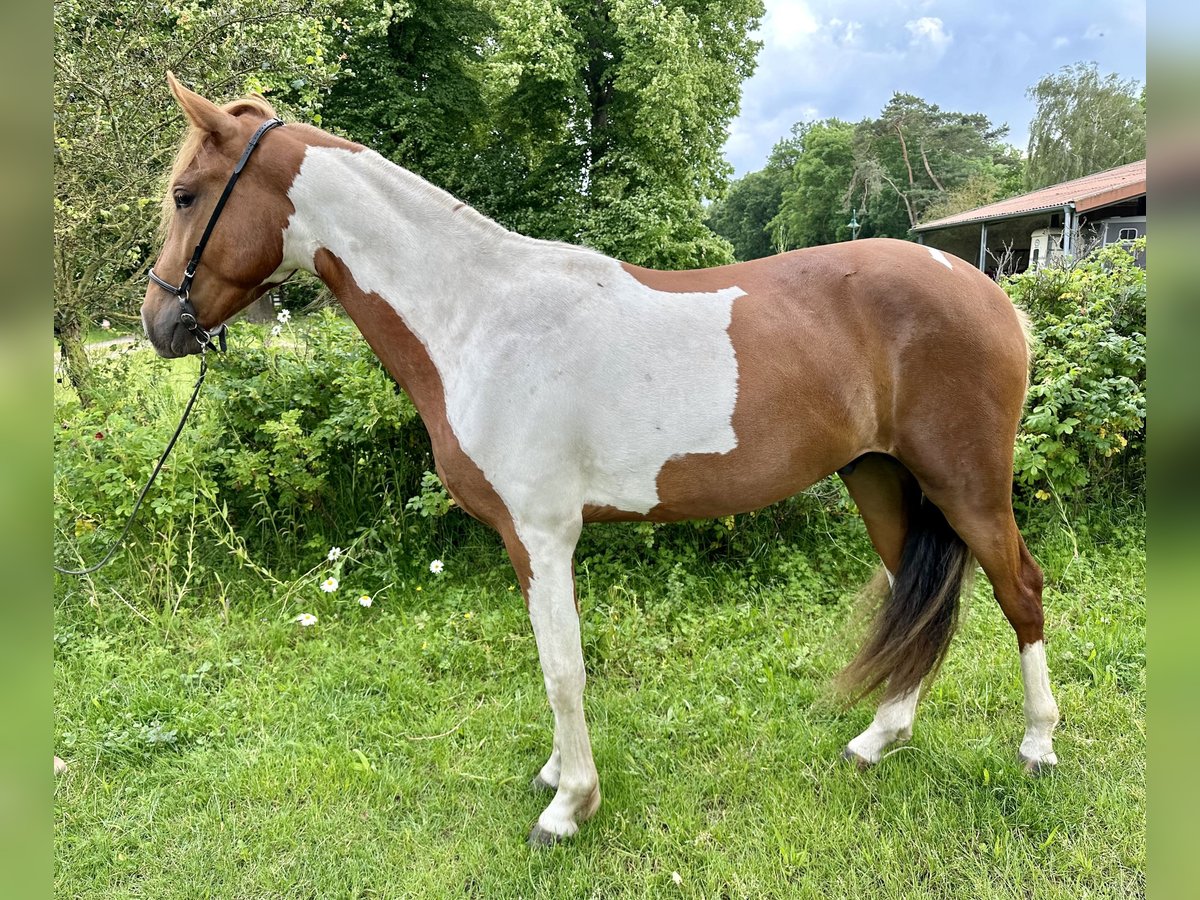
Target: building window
<point x="1033" y="260"/>
<point x="1127" y="234"/>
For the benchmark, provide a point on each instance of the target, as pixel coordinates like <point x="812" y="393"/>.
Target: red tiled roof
<point x="1085" y="193"/>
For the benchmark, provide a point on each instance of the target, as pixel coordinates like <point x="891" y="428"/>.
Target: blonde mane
<point x="193" y="139"/>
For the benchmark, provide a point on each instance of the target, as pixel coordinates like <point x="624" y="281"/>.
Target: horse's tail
<point x="912" y="628"/>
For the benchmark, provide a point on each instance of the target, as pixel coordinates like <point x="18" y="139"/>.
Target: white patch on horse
<point x="1041" y="712"/>
<point x="280" y="275"/>
<point x="940" y="257"/>
<point x="567" y="381"/>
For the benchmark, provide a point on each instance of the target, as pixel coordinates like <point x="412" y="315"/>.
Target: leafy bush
<point x="314" y="444"/>
<point x="313" y="441"/>
<point x="300" y="441"/>
<point x="104" y="453"/>
<point x="1085" y="420"/>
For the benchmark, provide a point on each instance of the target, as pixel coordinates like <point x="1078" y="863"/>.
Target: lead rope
<point x="162" y="459"/>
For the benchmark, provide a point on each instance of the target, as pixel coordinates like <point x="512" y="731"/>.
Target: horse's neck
<point x="399" y="236"/>
<point x="456" y="279"/>
<point x="442" y="267"/>
<point x="428" y="280"/>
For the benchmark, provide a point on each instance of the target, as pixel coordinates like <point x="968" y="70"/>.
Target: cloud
<point x="790" y="23"/>
<point x="930" y="30"/>
<point x="1060" y="42"/>
<point x="1095" y="31"/>
<point x="845" y="32"/>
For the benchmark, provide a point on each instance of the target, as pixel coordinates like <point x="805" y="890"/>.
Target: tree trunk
<point x="261" y="311"/>
<point x="74" y="359"/>
<point x="598" y="82"/>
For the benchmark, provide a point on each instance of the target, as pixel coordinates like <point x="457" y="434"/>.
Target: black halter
<point x="187" y="312"/>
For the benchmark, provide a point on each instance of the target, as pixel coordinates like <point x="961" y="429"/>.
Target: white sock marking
<point x="1041" y="712"/>
<point x="556" y="629"/>
<point x="893" y="722"/>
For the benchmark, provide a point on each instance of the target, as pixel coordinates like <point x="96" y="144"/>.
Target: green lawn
<point x="224" y="751"/>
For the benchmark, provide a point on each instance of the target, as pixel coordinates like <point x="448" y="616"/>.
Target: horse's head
<point x="244" y="251"/>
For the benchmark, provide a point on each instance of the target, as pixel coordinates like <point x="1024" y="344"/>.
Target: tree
<point x="987" y="185"/>
<point x="912" y="163"/>
<point x="815" y="204"/>
<point x="743" y="216"/>
<point x="598" y="121"/>
<point x="662" y="94"/>
<point x="593" y="121"/>
<point x="1083" y="124"/>
<point x="914" y="154"/>
<point x="413" y="84"/>
<point x="116" y="128"/>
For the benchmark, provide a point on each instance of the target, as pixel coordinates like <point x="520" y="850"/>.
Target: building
<point x="1032" y="229"/>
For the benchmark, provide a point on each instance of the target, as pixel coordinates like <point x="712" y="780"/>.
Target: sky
<point x="823" y="58"/>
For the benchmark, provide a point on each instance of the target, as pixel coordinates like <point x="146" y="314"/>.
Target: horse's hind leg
<point x="983" y="518"/>
<point x="883" y="490"/>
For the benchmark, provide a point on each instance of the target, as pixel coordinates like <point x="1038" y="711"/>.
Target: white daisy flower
<point x="276" y="330"/>
<point x="335" y="554"/>
<point x="105" y="324"/>
<point x="677" y="878"/>
<point x="365" y="601"/>
<point x="329" y="585"/>
<point x="436" y="567"/>
<point x="284" y="316"/>
<point x="305" y="619"/>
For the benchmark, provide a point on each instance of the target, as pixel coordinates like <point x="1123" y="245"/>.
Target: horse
<point x="560" y="387"/>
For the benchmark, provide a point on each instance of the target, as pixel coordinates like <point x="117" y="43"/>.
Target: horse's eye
<point x="183" y="200"/>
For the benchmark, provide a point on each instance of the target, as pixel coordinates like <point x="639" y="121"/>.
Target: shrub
<point x="302" y="441"/>
<point x="104" y="453"/>
<point x="1084" y="424"/>
<point x="312" y="441"/>
<point x="299" y="442"/>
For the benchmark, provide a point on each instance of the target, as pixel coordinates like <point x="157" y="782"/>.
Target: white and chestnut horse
<point x="561" y="387"/>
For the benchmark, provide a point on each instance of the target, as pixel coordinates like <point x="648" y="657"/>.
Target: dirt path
<point x="112" y="342"/>
<point x="119" y="341"/>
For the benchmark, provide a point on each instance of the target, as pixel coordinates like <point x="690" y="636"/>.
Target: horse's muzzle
<point x="167" y="334"/>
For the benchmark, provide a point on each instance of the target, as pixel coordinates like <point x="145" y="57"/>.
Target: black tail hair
<point x="911" y="631"/>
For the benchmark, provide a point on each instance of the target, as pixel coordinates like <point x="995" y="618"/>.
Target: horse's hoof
<point x="539" y="837"/>
<point x="540" y="784"/>
<point x="861" y="763"/>
<point x="1037" y="767"/>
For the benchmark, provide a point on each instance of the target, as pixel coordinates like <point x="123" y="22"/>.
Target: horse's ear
<point x="202" y="112"/>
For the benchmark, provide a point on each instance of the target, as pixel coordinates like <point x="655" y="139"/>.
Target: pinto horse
<point x="560" y="387"/>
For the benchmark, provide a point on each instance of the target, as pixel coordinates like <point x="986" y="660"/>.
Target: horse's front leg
<point x="550" y="593"/>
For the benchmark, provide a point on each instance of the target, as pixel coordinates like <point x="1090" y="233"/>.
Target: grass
<point x="223" y="751"/>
